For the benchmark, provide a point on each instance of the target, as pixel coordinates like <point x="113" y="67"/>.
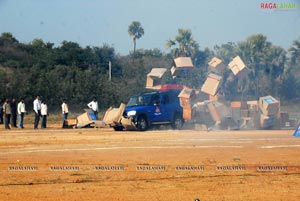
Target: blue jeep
<point x="154" y="108"/>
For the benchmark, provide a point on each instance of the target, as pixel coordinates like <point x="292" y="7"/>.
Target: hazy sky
<point x="98" y="22"/>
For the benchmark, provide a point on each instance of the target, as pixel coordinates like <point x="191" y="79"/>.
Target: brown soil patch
<point x="101" y="164"/>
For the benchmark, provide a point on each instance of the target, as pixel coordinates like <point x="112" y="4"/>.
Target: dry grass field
<point x="101" y="164"/>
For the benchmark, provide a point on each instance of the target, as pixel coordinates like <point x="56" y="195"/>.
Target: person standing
<point x="7" y="113"/>
<point x="44" y="113"/>
<point x="94" y="106"/>
<point x="37" y="111"/>
<point x="21" y="113"/>
<point x="13" y="106"/>
<point x="65" y="112"/>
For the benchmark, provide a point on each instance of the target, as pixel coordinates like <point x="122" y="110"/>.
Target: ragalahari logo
<point x="278" y="6"/>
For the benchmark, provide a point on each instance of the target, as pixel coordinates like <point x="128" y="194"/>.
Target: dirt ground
<point x="101" y="164"/>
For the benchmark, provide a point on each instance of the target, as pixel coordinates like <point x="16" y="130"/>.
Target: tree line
<point x="79" y="73"/>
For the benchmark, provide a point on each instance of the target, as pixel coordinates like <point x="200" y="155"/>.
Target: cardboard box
<point x="284" y="119"/>
<point x="85" y="119"/>
<point x="267" y="121"/>
<point x="269" y="105"/>
<point x="201" y="96"/>
<point x="70" y="122"/>
<point x="239" y="104"/>
<point x="127" y="123"/>
<point x="252" y="106"/>
<point x="236" y="114"/>
<point x="182" y="66"/>
<point x="214" y="98"/>
<point x="113" y="116"/>
<point x="155" y="77"/>
<point x="212" y="84"/>
<point x="216" y="65"/>
<point x="186" y="95"/>
<point x="98" y="124"/>
<point x="213" y="112"/>
<point x="238" y="67"/>
<point x="183" y="62"/>
<point x="187" y="114"/>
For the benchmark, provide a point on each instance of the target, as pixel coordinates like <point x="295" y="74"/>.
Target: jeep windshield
<point x="141" y="100"/>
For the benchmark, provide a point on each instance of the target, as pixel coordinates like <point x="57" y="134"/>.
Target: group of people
<point x="10" y="111"/>
<point x="40" y="109"/>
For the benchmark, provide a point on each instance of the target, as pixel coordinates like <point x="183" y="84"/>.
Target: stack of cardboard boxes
<point x="243" y="114"/>
<point x="270" y="111"/>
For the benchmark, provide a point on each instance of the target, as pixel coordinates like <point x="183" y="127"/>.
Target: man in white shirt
<point x="44" y="113"/>
<point x="65" y="112"/>
<point x="37" y="111"/>
<point x="21" y="112"/>
<point x="94" y="106"/>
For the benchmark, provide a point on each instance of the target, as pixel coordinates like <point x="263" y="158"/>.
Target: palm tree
<point x="187" y="46"/>
<point x="135" y="31"/>
<point x="295" y="52"/>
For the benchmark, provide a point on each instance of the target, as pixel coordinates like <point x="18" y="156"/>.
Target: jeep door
<point x="166" y="106"/>
<point x="156" y="109"/>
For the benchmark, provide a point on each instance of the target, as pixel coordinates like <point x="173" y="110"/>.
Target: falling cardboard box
<point x="269" y="105"/>
<point x="182" y="66"/>
<point x="212" y="84"/>
<point x="155" y="78"/>
<point x="186" y="95"/>
<point x="238" y="67"/>
<point x="216" y="65"/>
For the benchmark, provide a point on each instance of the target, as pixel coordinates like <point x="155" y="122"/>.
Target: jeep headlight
<point x="131" y="113"/>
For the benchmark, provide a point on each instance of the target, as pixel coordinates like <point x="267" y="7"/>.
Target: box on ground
<point x="239" y="104"/>
<point x="267" y="121"/>
<point x="269" y="105"/>
<point x="86" y="118"/>
<point x="69" y="123"/>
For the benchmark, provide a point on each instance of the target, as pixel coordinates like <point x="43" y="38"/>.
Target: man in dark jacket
<point x="7" y="113"/>
<point x="13" y="106"/>
<point x="1" y="112"/>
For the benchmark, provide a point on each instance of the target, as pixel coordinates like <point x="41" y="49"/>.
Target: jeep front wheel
<point x="142" y="124"/>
